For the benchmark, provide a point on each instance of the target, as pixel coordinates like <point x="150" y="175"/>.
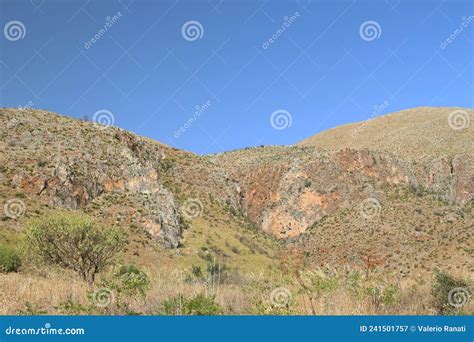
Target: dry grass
<point x="45" y="292"/>
<point x="247" y="294"/>
<point x="411" y="134"/>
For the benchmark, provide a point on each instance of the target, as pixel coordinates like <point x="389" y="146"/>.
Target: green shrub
<point x="449" y="294"/>
<point x="196" y="305"/>
<point x="215" y="270"/>
<point x="75" y="242"/>
<point x="131" y="281"/>
<point x="202" y="305"/>
<point x="9" y="260"/>
<point x="173" y="306"/>
<point x="197" y="272"/>
<point x="121" y="288"/>
<point x="31" y="310"/>
<point x="383" y="294"/>
<point x="71" y="307"/>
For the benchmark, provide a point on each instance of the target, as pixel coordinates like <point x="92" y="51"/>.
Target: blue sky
<point x="245" y="72"/>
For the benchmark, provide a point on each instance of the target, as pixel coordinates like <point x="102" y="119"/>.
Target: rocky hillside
<point x="285" y="190"/>
<point x="356" y="189"/>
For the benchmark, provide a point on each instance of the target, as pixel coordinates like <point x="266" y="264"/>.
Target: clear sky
<point x="212" y="75"/>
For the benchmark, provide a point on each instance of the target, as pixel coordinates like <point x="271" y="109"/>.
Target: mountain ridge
<point x="426" y="131"/>
<point x="281" y="191"/>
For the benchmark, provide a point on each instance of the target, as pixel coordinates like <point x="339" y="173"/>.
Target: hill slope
<point x="418" y="133"/>
<point x="245" y="208"/>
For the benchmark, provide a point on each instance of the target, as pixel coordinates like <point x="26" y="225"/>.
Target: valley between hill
<point x="354" y="220"/>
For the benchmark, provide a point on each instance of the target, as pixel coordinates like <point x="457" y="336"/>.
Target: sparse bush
<point x="131" y="281"/>
<point x="74" y="242"/>
<point x="320" y="282"/>
<point x="173" y="306"/>
<point x="71" y="307"/>
<point x="197" y="305"/>
<point x="265" y="306"/>
<point x="9" y="260"/>
<point x="215" y="270"/>
<point x="31" y="310"/>
<point x="382" y="294"/>
<point x="165" y="164"/>
<point x="442" y="290"/>
<point x="196" y="270"/>
<point x="41" y="162"/>
<point x="202" y="305"/>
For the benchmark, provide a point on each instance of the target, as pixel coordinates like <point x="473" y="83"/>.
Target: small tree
<point x="74" y="242"/>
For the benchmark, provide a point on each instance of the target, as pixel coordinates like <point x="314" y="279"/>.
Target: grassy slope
<point x="413" y="235"/>
<point x="413" y="133"/>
